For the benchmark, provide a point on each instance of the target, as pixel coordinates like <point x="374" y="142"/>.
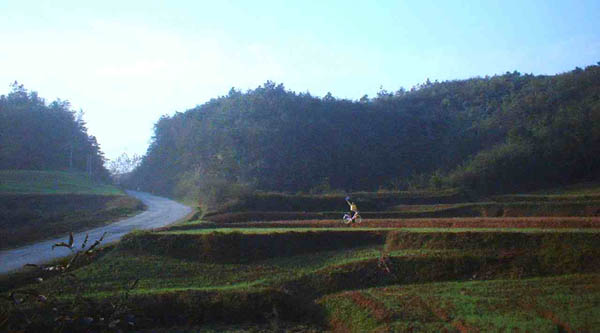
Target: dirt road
<point x="161" y="212"/>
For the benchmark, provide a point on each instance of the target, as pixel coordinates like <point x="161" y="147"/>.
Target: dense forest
<point x="492" y="134"/>
<point x="35" y="135"/>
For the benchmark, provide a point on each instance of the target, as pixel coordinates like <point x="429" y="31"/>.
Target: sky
<point x="126" y="63"/>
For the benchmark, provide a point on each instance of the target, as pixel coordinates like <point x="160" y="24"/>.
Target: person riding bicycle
<point x="353" y="208"/>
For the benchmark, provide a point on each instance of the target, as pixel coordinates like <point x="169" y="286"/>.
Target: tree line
<point x="492" y="134"/>
<point x="35" y="135"/>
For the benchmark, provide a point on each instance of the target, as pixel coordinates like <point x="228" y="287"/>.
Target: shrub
<point x="503" y="168"/>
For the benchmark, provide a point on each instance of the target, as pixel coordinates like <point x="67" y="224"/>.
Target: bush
<point x="503" y="168"/>
<point x="211" y="192"/>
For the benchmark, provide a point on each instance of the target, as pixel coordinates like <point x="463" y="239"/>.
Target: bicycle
<point x="347" y="218"/>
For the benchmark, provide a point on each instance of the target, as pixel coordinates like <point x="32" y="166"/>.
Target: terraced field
<point x="428" y="274"/>
<point x="566" y="303"/>
<point x="52" y="182"/>
<point x="38" y="205"/>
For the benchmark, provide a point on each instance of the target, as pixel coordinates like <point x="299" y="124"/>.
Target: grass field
<point x="52" y="182"/>
<point x="538" y="274"/>
<point x="556" y="304"/>
<point x="319" y="286"/>
<point x="37" y="205"/>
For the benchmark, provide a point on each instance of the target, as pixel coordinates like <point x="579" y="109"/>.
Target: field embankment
<point x="446" y="223"/>
<point x="37" y="205"/>
<point x="52" y="182"/>
<point x="28" y="218"/>
<point x="235" y="247"/>
<point x="369" y="201"/>
<point x="551" y="304"/>
<point x="235" y="278"/>
<point x="310" y="271"/>
<point x="407" y="205"/>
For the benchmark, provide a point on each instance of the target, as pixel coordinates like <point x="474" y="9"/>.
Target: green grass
<point x="38" y="205"/>
<point x="52" y="182"/>
<point x="159" y="274"/>
<point x="430" y="280"/>
<point x="167" y="284"/>
<point x="537" y="304"/>
<point x="162" y="275"/>
<point x="28" y="218"/>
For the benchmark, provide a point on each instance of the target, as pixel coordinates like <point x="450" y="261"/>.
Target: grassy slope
<point x="37" y="205"/>
<point x="563" y="303"/>
<point x="578" y="200"/>
<point x="166" y="282"/>
<point x="162" y="273"/>
<point x="590" y="188"/>
<point x="368" y="201"/>
<point x="52" y="182"/>
<point x="427" y="283"/>
<point x="158" y="273"/>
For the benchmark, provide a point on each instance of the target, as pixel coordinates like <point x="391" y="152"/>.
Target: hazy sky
<point x="126" y="63"/>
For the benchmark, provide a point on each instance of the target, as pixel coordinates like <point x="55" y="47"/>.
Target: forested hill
<point x="490" y="134"/>
<point x="39" y="136"/>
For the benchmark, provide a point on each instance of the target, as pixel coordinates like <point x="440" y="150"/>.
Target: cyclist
<point x="353" y="208"/>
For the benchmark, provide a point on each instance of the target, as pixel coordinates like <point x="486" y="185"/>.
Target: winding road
<point x="160" y="212"/>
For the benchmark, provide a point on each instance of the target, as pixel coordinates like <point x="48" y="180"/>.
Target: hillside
<point x="511" y="132"/>
<point x="36" y="205"/>
<point x="52" y="182"/>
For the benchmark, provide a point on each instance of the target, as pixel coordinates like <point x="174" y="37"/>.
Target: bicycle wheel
<point x="358" y="219"/>
<point x="346" y="219"/>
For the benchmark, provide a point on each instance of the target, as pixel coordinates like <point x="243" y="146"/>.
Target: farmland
<point x="52" y="182"/>
<point x="36" y="205"/>
<point x="532" y="272"/>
